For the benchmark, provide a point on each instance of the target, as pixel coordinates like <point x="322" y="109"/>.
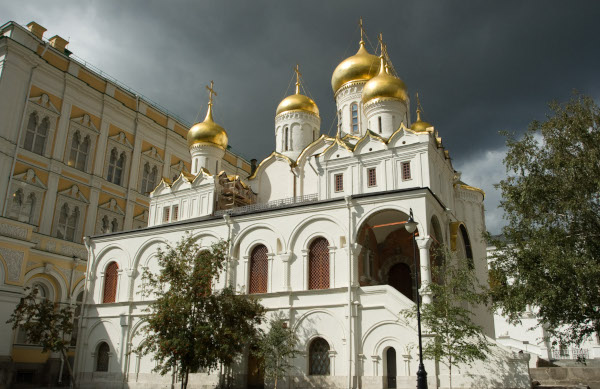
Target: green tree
<point x="456" y="339"/>
<point x="277" y="348"/>
<point x="549" y="257"/>
<point x="190" y="326"/>
<point x="45" y="324"/>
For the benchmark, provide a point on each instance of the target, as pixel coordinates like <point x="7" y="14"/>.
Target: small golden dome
<point x="207" y="132"/>
<point x="297" y="102"/>
<point x="384" y="86"/>
<point x="419" y="125"/>
<point x="362" y="66"/>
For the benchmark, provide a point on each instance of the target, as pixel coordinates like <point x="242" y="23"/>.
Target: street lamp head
<point x="411" y="224"/>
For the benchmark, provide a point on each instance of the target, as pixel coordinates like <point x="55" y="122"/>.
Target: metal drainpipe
<point x="348" y="244"/>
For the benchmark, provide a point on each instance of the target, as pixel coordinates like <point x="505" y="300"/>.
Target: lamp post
<point x="411" y="227"/>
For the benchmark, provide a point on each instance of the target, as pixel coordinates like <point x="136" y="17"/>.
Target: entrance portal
<point x="390" y="357"/>
<point x="256" y="373"/>
<point x="400" y="278"/>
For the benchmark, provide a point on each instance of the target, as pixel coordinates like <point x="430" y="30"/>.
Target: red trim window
<point x="406" y="171"/>
<point x="175" y="212"/>
<point x="259" y="270"/>
<point x="318" y="264"/>
<point x="339" y="182"/>
<point x="111" y="276"/>
<point x="371" y="177"/>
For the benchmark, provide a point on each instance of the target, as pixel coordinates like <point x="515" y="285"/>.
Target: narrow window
<point x="259" y="270"/>
<point x="339" y="182"/>
<point x="318" y="264"/>
<point x="72" y="225"/>
<point x="102" y="357"/>
<point x="145" y="177"/>
<point x="196" y="166"/>
<point x="406" y="171"/>
<point x="379" y="122"/>
<point x="114" y="225"/>
<point x="354" y="117"/>
<point x="62" y="221"/>
<point x="318" y="355"/>
<point x="112" y="165"/>
<point x="216" y="167"/>
<point x="74" y="149"/>
<point x="111" y="277"/>
<point x="105" y="225"/>
<point x="40" y="136"/>
<point x="166" y="214"/>
<point x="82" y="156"/>
<point x="152" y="179"/>
<point x="17" y="203"/>
<point x="118" y="179"/>
<point x="372" y="177"/>
<point x="340" y="119"/>
<point x="286" y="139"/>
<point x="28" y="210"/>
<point x="175" y="213"/>
<point x="30" y="133"/>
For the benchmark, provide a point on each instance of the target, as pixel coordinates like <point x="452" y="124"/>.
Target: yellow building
<point x="79" y="153"/>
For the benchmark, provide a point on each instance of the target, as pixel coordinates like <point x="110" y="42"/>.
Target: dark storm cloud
<point x="479" y="67"/>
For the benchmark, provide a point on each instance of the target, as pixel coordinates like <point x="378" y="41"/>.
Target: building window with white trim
<point x="338" y="182"/>
<point x="166" y="214"/>
<point x="354" y="117"/>
<point x="175" y="213"/>
<point x="79" y="151"/>
<point x="371" y="177"/>
<point x="67" y="222"/>
<point x="36" y="134"/>
<point x="23" y="208"/>
<point x="149" y="178"/>
<point x="406" y="175"/>
<point x="116" y="165"/>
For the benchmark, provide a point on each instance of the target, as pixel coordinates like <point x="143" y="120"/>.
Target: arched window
<point x="286" y="139"/>
<point x="354" y="117"/>
<point x="390" y="356"/>
<point x="467" y="242"/>
<point x="79" y="151"/>
<point x="259" y="270"/>
<point x="17" y="203"/>
<point x="102" y="357"/>
<point x="114" y="225"/>
<point x="153" y="177"/>
<point x="318" y="357"/>
<point x="30" y="133"/>
<point x="105" y="225"/>
<point x="28" y="209"/>
<point x="67" y="223"/>
<point x="116" y="164"/>
<point x="318" y="264"/>
<point x="145" y="176"/>
<point x="21" y="208"/>
<point x="111" y="277"/>
<point x="379" y="123"/>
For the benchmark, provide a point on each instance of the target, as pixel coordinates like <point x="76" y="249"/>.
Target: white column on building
<point x="270" y="257"/>
<point x="424" y="243"/>
<point x="61" y="131"/>
<point x="50" y="199"/>
<point x="101" y="149"/>
<point x="92" y="209"/>
<point x="285" y="259"/>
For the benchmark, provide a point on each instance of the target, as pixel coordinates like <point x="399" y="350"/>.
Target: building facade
<point x="79" y="155"/>
<point x="317" y="233"/>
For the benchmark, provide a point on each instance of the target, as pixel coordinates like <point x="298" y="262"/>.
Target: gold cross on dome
<point x="211" y="92"/>
<point x="298" y="74"/>
<point x="362" y="30"/>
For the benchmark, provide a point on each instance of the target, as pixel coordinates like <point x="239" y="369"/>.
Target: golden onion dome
<point x="207" y="132"/>
<point x="362" y="66"/>
<point x="384" y="86"/>
<point x="419" y="125"/>
<point x="297" y="101"/>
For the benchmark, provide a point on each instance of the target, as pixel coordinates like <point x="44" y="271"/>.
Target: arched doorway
<point x="390" y="357"/>
<point x="400" y="278"/>
<point x="256" y="373"/>
<point x="386" y="256"/>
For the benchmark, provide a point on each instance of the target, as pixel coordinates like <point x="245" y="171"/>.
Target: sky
<point x="479" y="66"/>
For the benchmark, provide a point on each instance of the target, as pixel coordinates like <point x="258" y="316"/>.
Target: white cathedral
<point x="317" y="233"/>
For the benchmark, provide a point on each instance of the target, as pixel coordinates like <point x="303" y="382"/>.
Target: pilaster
<point x="61" y="131"/>
<point x="424" y="243"/>
<point x="90" y="218"/>
<point x="285" y="259"/>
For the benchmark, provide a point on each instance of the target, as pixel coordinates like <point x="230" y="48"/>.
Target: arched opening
<point x="318" y="264"/>
<point x="318" y="357"/>
<point x="259" y="270"/>
<point x="102" y="357"/>
<point x="386" y="256"/>
<point x="111" y="277"/>
<point x="391" y="372"/>
<point x="468" y="252"/>
<point x="256" y="372"/>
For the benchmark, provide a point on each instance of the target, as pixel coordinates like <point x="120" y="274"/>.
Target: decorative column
<point x="332" y="354"/>
<point x="305" y="269"/>
<point x="355" y="249"/>
<point x="285" y="259"/>
<point x="233" y="263"/>
<point x="375" y="359"/>
<point x="270" y="261"/>
<point x="332" y="266"/>
<point x="424" y="243"/>
<point x="245" y="285"/>
<point x="407" y="359"/>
